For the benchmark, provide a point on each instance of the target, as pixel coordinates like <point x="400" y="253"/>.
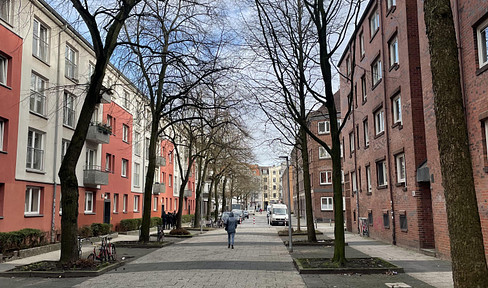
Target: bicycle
<point x="80" y="244"/>
<point x="160" y="234"/>
<point x="106" y="252"/>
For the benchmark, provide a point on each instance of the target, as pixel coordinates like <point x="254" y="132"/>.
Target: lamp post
<point x="290" y="241"/>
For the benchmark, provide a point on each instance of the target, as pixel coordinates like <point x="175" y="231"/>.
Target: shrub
<point x="180" y="231"/>
<point x="85" y="231"/>
<point x="155" y="221"/>
<point x="186" y="218"/>
<point x="100" y="228"/>
<point x="130" y="224"/>
<point x="25" y="238"/>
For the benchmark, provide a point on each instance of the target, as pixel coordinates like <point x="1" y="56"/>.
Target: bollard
<point x="253" y="220"/>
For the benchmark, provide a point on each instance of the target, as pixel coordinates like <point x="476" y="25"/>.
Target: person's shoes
<point x="232" y="246"/>
<point x="228" y="246"/>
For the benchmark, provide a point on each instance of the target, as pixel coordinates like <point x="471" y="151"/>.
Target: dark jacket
<point x="231" y="224"/>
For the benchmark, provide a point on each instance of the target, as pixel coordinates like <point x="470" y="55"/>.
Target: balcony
<point x="93" y="176"/>
<point x="187" y="193"/>
<point x="99" y="133"/>
<point x="160" y="161"/>
<point x="159" y="188"/>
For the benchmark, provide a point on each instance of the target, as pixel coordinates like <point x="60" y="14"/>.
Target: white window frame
<point x="5" y="10"/>
<point x="382" y="165"/>
<point x="170" y="180"/>
<point x="366" y="132"/>
<point x="126" y="99"/>
<point x="374" y="23"/>
<point x="363" y="88"/>
<point x="125" y="133"/>
<point x="376" y="72"/>
<point x="124" y="167"/>
<point x="71" y="63"/>
<point x="136" y="203"/>
<point x="323" y="154"/>
<point x="397" y="109"/>
<point x="361" y="44"/>
<point x="137" y="143"/>
<point x="116" y="203"/>
<point x="325" y="129"/>
<point x="390" y="4"/>
<point x="69" y="112"/>
<point x="328" y="205"/>
<point x="125" y="197"/>
<point x="37" y="101"/>
<point x="327" y="176"/>
<point x="91" y="159"/>
<point x="354" y="181"/>
<point x="89" y="205"/>
<point x="368" y="179"/>
<point x="3" y="70"/>
<point x="379" y="121"/>
<point x="393" y="50"/>
<point x="64" y="147"/>
<point x="400" y="167"/>
<point x="40" y="41"/>
<point x="155" y="203"/>
<point x="352" y="142"/>
<point x="137" y="176"/>
<point x="2" y="131"/>
<point x="30" y="207"/>
<point x="482" y="39"/>
<point x="34" y="151"/>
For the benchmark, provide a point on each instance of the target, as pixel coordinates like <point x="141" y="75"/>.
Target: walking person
<point x="230" y="226"/>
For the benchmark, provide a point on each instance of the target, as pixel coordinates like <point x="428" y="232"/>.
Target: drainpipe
<point x="56" y="132"/>
<point x="387" y="134"/>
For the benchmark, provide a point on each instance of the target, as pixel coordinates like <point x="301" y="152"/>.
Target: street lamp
<point x="290" y="246"/>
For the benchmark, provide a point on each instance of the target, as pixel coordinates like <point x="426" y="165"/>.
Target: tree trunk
<point x="467" y="252"/>
<point x="148" y="186"/>
<point x="223" y="194"/>
<point x="209" y="199"/>
<point x="216" y="215"/>
<point x="298" y="194"/>
<point x="306" y="184"/>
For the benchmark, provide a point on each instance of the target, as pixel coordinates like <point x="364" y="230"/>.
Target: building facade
<point x="47" y="67"/>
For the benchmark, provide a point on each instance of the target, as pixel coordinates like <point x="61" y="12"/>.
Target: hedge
<point x="186" y="218"/>
<point x="25" y="238"/>
<point x="135" y="224"/>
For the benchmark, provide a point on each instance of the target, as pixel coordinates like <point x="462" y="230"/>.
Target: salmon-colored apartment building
<point x="45" y="66"/>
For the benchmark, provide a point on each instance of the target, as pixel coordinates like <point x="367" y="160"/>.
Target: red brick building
<point x="390" y="138"/>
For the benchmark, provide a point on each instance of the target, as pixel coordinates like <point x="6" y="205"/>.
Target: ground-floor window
<point x="326" y="204"/>
<point x="88" y="202"/>
<point x="32" y="201"/>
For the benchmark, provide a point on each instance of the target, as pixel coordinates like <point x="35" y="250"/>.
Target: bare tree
<point x="103" y="48"/>
<point x="467" y="252"/>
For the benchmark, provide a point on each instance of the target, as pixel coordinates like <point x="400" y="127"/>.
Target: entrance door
<point x="106" y="211"/>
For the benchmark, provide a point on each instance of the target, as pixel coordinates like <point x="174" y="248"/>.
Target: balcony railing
<point x="159" y="188"/>
<point x="160" y="161"/>
<point x="99" y="133"/>
<point x="94" y="175"/>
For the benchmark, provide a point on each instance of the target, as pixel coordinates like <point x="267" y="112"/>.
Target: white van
<point x="278" y="214"/>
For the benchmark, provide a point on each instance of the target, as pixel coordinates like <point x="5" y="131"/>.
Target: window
<point x="366" y="133"/>
<point x="370" y="218"/>
<point x="170" y="179"/>
<point x="2" y="131"/>
<point x="363" y="88"/>
<point x="381" y="173"/>
<point x="400" y="167"/>
<point x="386" y="220"/>
<point x="379" y="125"/>
<point x="390" y="4"/>
<point x="374" y="23"/>
<point x="324" y="127"/>
<point x="126" y="99"/>
<point x="69" y="110"/>
<point x="124" y="167"/>
<point x="348" y="66"/>
<point x="325" y="177"/>
<point x="125" y="133"/>
<point x="147" y="148"/>
<point x="155" y="204"/>
<point x="137" y="144"/>
<point x="3" y="69"/>
<point x="64" y="147"/>
<point x="91" y="158"/>
<point x="116" y="203"/>
<point x="354" y="182"/>
<point x="5" y="10"/>
<point x="482" y="39"/>
<point x="124" y="204"/>
<point x="32" y="201"/>
<point x="376" y="71"/>
<point x="326" y="204"/>
<point x="274" y="195"/>
<point x="368" y="179"/>
<point x="40" y="44"/>
<point x="403" y="222"/>
<point x="351" y="142"/>
<point x="109" y="162"/>
<point x="274" y="187"/>
<point x="397" y="109"/>
<point x="71" y="68"/>
<point x="136" y="203"/>
<point x="485" y="123"/>
<point x="137" y="168"/>
<point x="35" y="151"/>
<point x="393" y="49"/>
<point x="274" y="179"/>
<point x="361" y="44"/>
<point x="88" y="202"/>
<point x="110" y="123"/>
<point x="323" y="154"/>
<point x="37" y="97"/>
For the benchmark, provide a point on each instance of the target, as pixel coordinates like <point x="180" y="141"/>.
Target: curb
<point x="301" y="270"/>
<point x="141" y="245"/>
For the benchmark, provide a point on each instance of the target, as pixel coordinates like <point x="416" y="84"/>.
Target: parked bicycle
<point x="160" y="234"/>
<point x="106" y="252"/>
<point x="80" y="244"/>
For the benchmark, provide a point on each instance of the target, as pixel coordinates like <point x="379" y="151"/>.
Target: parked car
<point x="238" y="214"/>
<point x="246" y="214"/>
<point x="225" y="216"/>
<point x="278" y="214"/>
